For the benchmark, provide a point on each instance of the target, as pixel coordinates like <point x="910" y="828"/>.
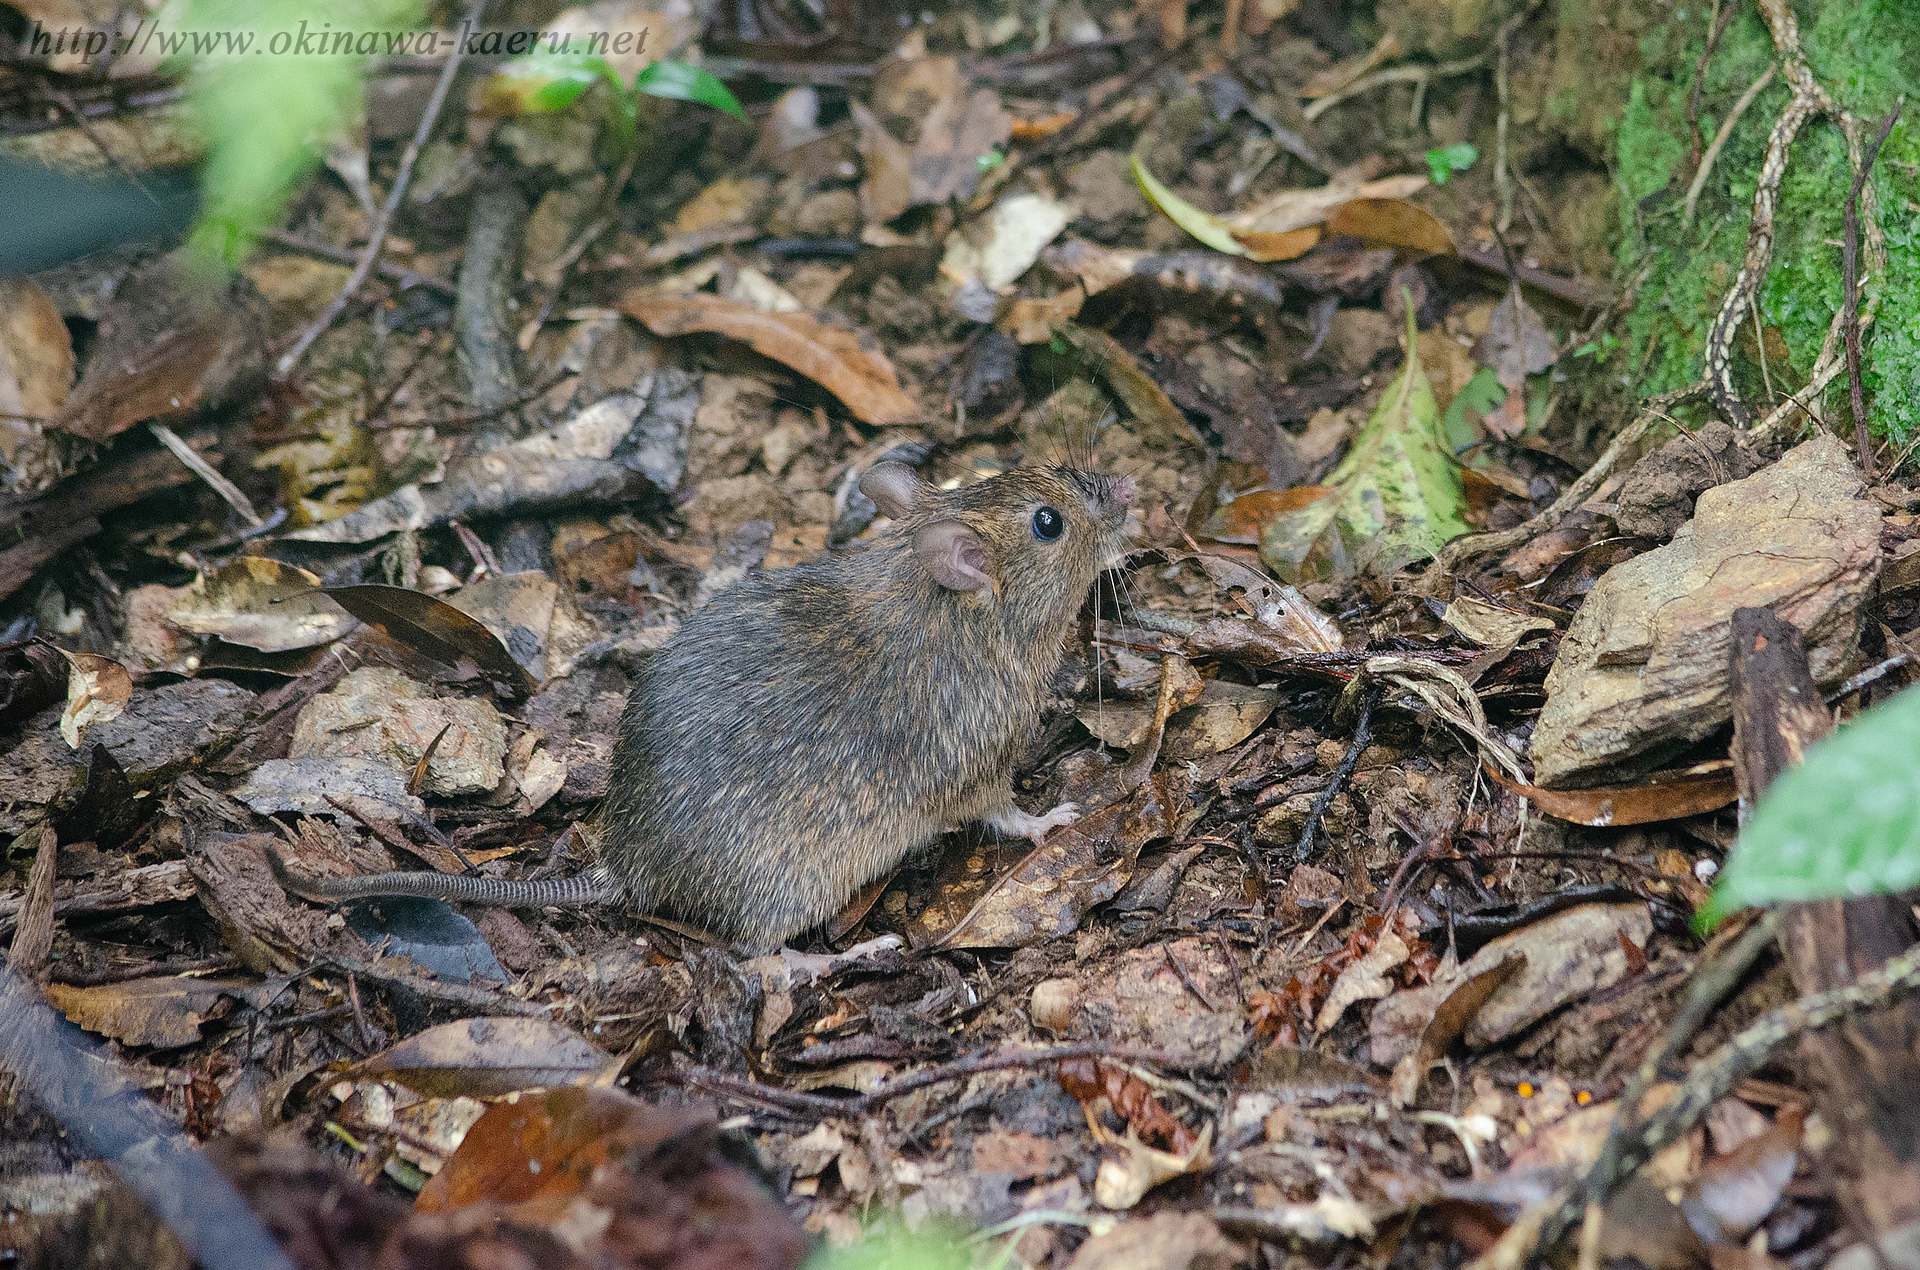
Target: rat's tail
<point x="592" y="887"/>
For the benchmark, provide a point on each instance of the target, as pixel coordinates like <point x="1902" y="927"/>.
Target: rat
<point x="810" y="727"/>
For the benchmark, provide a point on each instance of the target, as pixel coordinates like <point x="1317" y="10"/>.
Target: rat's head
<point x="1033" y="538"/>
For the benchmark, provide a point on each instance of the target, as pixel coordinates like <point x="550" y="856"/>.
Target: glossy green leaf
<point x="1844" y="823"/>
<point x="1398" y="493"/>
<point x="1204" y="226"/>
<point x="541" y="83"/>
<point x="682" y="81"/>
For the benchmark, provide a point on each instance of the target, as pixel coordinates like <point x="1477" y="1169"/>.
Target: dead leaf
<point x="1144" y="399"/>
<point x="433" y="628"/>
<point x="1291" y="209"/>
<point x="260" y="604"/>
<point x="1122" y="1183"/>
<point x="1458" y="1002"/>
<point x="956" y="136"/>
<point x="1516" y="344"/>
<point x="1242" y="520"/>
<point x="1364" y="979"/>
<point x="488" y="1057"/>
<point x="862" y="378"/>
<point x="170" y="342"/>
<point x="36" y="371"/>
<point x="1733" y="1193"/>
<point x="994" y="250"/>
<point x="1393" y="222"/>
<point x="1670" y="795"/>
<point x="885" y="162"/>
<point x="97" y="691"/>
<point x="1131" y="1098"/>
<point x="164" y="1013"/>
<point x="1570" y="955"/>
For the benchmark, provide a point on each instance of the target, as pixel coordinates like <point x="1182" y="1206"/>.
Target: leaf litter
<point x="1375" y="903"/>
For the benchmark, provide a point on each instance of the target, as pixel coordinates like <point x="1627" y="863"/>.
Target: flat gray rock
<point x="1644" y="664"/>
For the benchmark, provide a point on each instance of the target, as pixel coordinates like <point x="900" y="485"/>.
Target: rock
<point x="1644" y="663"/>
<point x="1657" y="496"/>
<point x="382" y="716"/>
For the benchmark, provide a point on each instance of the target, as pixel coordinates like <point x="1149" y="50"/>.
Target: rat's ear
<point x="895" y="488"/>
<point x="953" y="554"/>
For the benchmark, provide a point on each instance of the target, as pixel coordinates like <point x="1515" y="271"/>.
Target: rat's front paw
<point x="1015" y="823"/>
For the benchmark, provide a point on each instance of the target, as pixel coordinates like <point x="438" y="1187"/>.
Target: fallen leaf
<point x="996" y="249"/>
<point x="955" y="137"/>
<point x="36" y="372"/>
<point x="1122" y="1183"/>
<point x="1516" y="344"/>
<point x="885" y="161"/>
<point x="164" y="1013"/>
<point x="1242" y="520"/>
<point x="1399" y="496"/>
<point x="433" y="628"/>
<point x="97" y="691"/>
<point x="170" y="342"/>
<point x="1568" y="956"/>
<point x="1670" y="795"/>
<point x="489" y="1057"/>
<point x="1392" y="222"/>
<point x="862" y="378"/>
<point x="1458" y="1001"/>
<point x="1290" y="209"/>
<point x="1364" y="979"/>
<point x="260" y="604"/>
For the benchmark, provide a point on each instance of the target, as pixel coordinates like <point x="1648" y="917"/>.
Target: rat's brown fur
<point x="812" y="726"/>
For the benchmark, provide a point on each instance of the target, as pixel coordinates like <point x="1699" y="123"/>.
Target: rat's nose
<point x="1123" y="490"/>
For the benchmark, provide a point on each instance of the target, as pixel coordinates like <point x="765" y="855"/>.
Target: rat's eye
<point x="1048" y="524"/>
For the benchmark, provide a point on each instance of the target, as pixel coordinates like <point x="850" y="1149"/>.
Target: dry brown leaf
<point x="1393" y="222"/>
<point x="885" y="187"/>
<point x="1242" y="520"/>
<point x="1289" y="210"/>
<point x="1672" y="795"/>
<point x="862" y="378"/>
<point x="165" y="1013"/>
<point x="489" y="1057"/>
<point x="97" y="691"/>
<point x="953" y="140"/>
<point x="36" y="352"/>
<point x="1289" y="245"/>
<point x="1516" y="344"/>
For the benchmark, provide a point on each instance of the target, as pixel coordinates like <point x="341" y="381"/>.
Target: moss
<point x="1867" y="52"/>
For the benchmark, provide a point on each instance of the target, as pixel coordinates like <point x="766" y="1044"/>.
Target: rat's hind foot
<point x="1014" y="823"/>
<point x="805" y="966"/>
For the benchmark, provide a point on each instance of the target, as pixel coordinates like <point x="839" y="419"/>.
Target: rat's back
<point x="796" y="738"/>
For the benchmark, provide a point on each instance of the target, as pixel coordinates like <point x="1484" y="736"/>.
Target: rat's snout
<point x="1123" y="490"/>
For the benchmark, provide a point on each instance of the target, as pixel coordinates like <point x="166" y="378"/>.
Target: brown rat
<point x="812" y="726"/>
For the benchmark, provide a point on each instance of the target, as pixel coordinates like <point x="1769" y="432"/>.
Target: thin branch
<point x="377" y="235"/>
<point x="1850" y="269"/>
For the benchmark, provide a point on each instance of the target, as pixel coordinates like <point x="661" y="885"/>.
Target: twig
<point x="1397" y="75"/>
<point x="1808" y="99"/>
<point x="399" y="275"/>
<point x="467" y="418"/>
<point x="439" y="989"/>
<point x="220" y="485"/>
<point x="966" y="1065"/>
<point x="1362" y="733"/>
<point x="1702" y="172"/>
<point x="377" y="233"/>
<point x="1850" y="270"/>
<point x="1694" y="161"/>
<point x="1871" y="674"/>
<point x="1720" y="1071"/>
<point x="1460" y="550"/>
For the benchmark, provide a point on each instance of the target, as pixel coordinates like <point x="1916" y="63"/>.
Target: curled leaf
<point x="97" y="691"/>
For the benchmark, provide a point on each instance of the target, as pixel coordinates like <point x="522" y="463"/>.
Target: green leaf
<point x="541" y="83"/>
<point x="684" y="82"/>
<point x="1846" y="822"/>
<point x="1481" y="395"/>
<point x="1397" y="495"/>
<point x="1205" y="226"/>
<point x="1445" y="161"/>
<point x="265" y="115"/>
